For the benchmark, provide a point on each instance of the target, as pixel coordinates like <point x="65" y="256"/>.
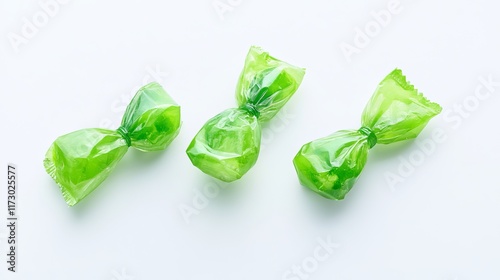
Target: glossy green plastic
<point x="80" y="161"/>
<point x="228" y="145"/>
<point x="397" y="111"/>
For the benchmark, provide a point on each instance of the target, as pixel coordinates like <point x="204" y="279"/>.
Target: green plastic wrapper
<point x="81" y="160"/>
<point x="397" y="111"/>
<point x="228" y="145"/>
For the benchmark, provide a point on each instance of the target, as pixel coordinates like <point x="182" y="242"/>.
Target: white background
<point x="79" y="69"/>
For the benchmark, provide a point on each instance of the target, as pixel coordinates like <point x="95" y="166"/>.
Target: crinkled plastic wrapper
<point x="80" y="161"/>
<point x="228" y="145"/>
<point x="397" y="111"/>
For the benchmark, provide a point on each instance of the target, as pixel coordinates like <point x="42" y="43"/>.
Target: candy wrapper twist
<point x="397" y="111"/>
<point x="228" y="145"/>
<point x="81" y="160"/>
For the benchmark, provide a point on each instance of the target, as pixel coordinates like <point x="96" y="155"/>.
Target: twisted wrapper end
<point x="252" y="109"/>
<point x="371" y="137"/>
<point x="123" y="131"/>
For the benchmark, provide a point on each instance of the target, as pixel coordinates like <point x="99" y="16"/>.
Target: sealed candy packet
<point x="397" y="111"/>
<point x="81" y="160"/>
<point x="228" y="145"/>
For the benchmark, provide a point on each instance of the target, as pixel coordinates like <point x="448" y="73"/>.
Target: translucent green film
<point x="397" y="111"/>
<point x="81" y="160"/>
<point x="228" y="145"/>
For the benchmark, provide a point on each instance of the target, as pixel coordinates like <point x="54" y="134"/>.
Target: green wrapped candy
<point x="81" y="160"/>
<point x="228" y="145"/>
<point x="397" y="111"/>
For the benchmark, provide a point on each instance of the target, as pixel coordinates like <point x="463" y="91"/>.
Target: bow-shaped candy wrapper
<point x="81" y="160"/>
<point x="397" y="111"/>
<point x="228" y="145"/>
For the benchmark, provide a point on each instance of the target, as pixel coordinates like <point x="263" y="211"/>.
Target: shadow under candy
<point x="324" y="208"/>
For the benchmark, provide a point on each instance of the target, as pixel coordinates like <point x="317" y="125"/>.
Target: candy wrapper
<point x="397" y="111"/>
<point x="228" y="145"/>
<point x="81" y="160"/>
